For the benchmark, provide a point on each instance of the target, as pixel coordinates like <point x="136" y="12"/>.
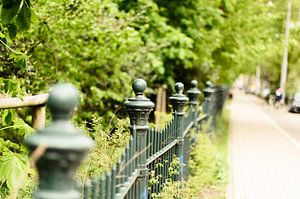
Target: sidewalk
<point x="264" y="160"/>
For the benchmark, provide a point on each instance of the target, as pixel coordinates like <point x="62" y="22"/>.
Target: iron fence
<point x="149" y="153"/>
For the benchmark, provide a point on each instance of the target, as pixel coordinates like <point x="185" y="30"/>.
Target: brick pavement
<point x="264" y="160"/>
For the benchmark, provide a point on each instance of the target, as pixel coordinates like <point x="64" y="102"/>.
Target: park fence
<point x="58" y="149"/>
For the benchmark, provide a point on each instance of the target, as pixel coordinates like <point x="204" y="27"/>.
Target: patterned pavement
<point x="264" y="159"/>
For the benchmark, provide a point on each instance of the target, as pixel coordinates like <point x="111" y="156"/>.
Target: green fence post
<point x="139" y="108"/>
<point x="59" y="149"/>
<point x="208" y="99"/>
<point x="193" y="95"/>
<point x="178" y="101"/>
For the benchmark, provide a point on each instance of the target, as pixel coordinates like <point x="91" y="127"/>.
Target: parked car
<point x="295" y="105"/>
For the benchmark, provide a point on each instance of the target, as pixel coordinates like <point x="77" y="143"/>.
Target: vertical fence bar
<point x="131" y="148"/>
<point x="152" y="138"/>
<point x="127" y="163"/>
<point x="113" y="182"/>
<point x="95" y="190"/>
<point x="118" y="175"/>
<point x="87" y="190"/>
<point x="123" y="166"/>
<point x="108" y="185"/>
<point x="139" y="108"/>
<point x="208" y="102"/>
<point x="178" y="100"/>
<point x="135" y="165"/>
<point x="154" y="141"/>
<point x="148" y="143"/>
<point x="102" y="187"/>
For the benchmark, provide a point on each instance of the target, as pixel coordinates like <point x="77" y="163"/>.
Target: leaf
<point x="23" y="128"/>
<point x="12" y="29"/>
<point x="23" y="19"/>
<point x="11" y="86"/>
<point x="2" y="35"/>
<point x="9" y="10"/>
<point x="21" y="61"/>
<point x="13" y="171"/>
<point x="6" y="117"/>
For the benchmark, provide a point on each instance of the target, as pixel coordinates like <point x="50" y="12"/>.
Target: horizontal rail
<point x="202" y="118"/>
<point x="188" y="128"/>
<point x="199" y="119"/>
<point x="27" y="101"/>
<point x="124" y="189"/>
<point x="162" y="151"/>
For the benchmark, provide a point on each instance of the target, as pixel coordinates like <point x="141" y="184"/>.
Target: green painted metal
<point x="127" y="159"/>
<point x="87" y="189"/>
<point x="208" y="99"/>
<point x="108" y="185"/>
<point x="178" y="101"/>
<point x="139" y="108"/>
<point x="123" y="166"/>
<point x="65" y="146"/>
<point x="118" y="178"/>
<point x="95" y="190"/>
<point x="102" y="187"/>
<point x="113" y="182"/>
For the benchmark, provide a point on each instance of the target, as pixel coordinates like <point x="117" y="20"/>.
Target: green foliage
<point x="163" y="119"/>
<point x="171" y="189"/>
<point x="209" y="169"/>
<point x="16" y="16"/>
<point x="14" y="169"/>
<point x="109" y="146"/>
<point x="174" y="190"/>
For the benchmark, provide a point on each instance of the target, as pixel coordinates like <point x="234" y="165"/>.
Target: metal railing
<point x="149" y="150"/>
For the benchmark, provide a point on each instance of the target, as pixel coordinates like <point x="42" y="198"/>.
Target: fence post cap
<point x="194" y="89"/>
<point x="178" y="100"/>
<point x="139" y="101"/>
<point x="208" y="84"/>
<point x="193" y="93"/>
<point x="209" y="89"/>
<point x="62" y="100"/>
<point x="139" y="86"/>
<point x="179" y="96"/>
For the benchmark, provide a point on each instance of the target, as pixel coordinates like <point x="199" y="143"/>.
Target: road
<point x="264" y="154"/>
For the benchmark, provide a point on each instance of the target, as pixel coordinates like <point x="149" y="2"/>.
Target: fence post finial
<point x="178" y="101"/>
<point x="58" y="150"/>
<point x="193" y="94"/>
<point x="139" y="108"/>
<point x="208" y="98"/>
<point x="209" y="104"/>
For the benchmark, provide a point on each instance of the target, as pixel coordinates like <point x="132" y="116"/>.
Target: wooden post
<point x="38" y="117"/>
